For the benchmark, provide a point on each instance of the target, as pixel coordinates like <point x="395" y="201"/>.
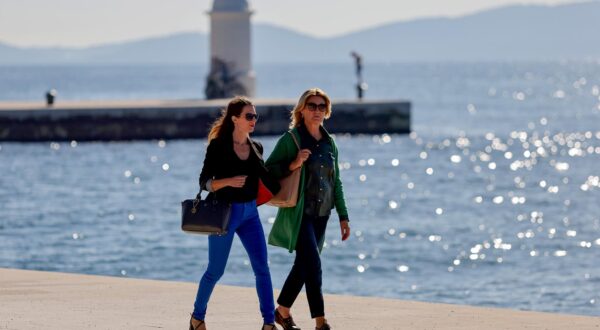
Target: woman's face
<point x="314" y="110"/>
<point x="247" y="119"/>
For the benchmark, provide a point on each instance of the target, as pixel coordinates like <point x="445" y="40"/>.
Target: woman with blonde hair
<point x="302" y="228"/>
<point x="231" y="171"/>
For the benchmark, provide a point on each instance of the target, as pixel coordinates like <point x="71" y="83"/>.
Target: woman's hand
<point x="345" y="229"/>
<point x="237" y="181"/>
<point x="300" y="159"/>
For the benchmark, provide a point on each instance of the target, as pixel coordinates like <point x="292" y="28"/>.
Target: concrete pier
<point x="45" y="300"/>
<point x="135" y="120"/>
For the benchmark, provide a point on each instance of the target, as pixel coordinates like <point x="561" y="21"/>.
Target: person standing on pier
<point x="231" y="172"/>
<point x="302" y="228"/>
<point x="361" y="86"/>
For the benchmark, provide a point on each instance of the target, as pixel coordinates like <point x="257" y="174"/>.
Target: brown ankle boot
<point x="325" y="326"/>
<point x="287" y="323"/>
<point x="199" y="326"/>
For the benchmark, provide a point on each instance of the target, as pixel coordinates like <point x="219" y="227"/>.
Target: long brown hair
<point x="224" y="125"/>
<point x="296" y="114"/>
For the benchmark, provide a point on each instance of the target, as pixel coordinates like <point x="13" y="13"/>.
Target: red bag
<point x="264" y="195"/>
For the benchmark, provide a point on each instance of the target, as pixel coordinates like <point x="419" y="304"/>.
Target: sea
<point x="493" y="199"/>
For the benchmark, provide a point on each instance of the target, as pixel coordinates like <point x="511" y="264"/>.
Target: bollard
<point x="50" y="97"/>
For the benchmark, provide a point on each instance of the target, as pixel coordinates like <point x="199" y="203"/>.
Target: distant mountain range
<point x="507" y="33"/>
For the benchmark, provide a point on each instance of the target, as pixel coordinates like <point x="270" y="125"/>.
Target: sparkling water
<point x="493" y="200"/>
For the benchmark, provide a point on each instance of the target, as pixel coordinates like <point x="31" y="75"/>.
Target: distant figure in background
<point x="358" y="64"/>
<point x="231" y="171"/>
<point x="361" y="86"/>
<point x="50" y="97"/>
<point x="302" y="228"/>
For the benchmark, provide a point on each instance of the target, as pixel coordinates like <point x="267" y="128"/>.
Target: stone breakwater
<point x="140" y="120"/>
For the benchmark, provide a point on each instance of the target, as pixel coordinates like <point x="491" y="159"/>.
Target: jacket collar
<point x="303" y="127"/>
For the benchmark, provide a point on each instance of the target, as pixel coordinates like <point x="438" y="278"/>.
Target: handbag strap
<point x="258" y="154"/>
<point x="295" y="140"/>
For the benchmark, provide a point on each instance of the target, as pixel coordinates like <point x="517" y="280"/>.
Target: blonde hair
<point x="296" y="114"/>
<point x="224" y="125"/>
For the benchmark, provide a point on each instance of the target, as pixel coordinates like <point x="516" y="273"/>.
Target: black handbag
<point x="209" y="216"/>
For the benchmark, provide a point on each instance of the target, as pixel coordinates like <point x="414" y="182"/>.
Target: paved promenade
<point x="46" y="300"/>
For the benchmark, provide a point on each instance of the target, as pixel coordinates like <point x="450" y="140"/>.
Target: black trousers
<point x="307" y="267"/>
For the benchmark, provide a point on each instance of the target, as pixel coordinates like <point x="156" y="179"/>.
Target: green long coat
<point x="287" y="222"/>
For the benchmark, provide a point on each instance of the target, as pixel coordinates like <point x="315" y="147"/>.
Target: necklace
<point x="240" y="143"/>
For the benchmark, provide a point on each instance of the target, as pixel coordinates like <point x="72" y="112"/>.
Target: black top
<point x="319" y="185"/>
<point x="221" y="161"/>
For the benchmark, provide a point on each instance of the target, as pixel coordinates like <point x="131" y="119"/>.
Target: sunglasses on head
<point x="322" y="107"/>
<point x="251" y="116"/>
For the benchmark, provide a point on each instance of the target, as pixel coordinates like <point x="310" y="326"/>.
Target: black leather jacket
<point x="221" y="162"/>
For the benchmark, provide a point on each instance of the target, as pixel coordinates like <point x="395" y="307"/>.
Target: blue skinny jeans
<point x="246" y="223"/>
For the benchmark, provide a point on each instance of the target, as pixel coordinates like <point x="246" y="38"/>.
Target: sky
<point x="81" y="23"/>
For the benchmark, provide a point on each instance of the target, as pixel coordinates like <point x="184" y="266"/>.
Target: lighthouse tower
<point x="230" y="47"/>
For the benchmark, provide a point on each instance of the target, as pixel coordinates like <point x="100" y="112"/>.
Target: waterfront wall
<point x="135" y="120"/>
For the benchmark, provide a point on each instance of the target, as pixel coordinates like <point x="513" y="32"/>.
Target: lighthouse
<point x="230" y="50"/>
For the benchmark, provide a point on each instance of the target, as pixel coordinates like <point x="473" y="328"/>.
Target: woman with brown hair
<point x="231" y="172"/>
<point x="302" y="228"/>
